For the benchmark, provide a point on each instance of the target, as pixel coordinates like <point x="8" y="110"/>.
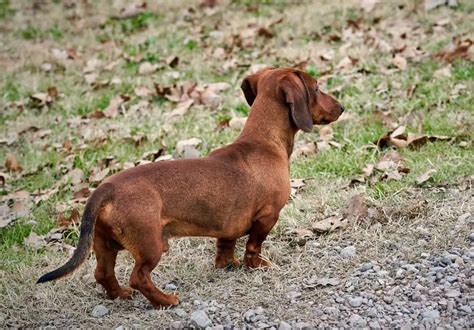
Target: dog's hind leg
<point x="259" y="231"/>
<point x="147" y="254"/>
<point x="225" y="253"/>
<point x="105" y="272"/>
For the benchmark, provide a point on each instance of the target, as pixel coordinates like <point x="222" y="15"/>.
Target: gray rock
<point x="431" y="314"/>
<point x="357" y="321"/>
<point x="471" y="237"/>
<point x="355" y="302"/>
<point x="302" y="326"/>
<point x="177" y="325"/>
<point x="249" y="316"/>
<point x="99" y="311"/>
<point x="452" y="293"/>
<point x="180" y="312"/>
<point x="374" y="325"/>
<point x="200" y="320"/>
<point x="171" y="287"/>
<point x="466" y="309"/>
<point x="331" y="310"/>
<point x="349" y="252"/>
<point x="366" y="266"/>
<point x="284" y="326"/>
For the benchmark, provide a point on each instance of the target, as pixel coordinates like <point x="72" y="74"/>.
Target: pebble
<point x="452" y="293"/>
<point x="284" y="326"/>
<point x="349" y="252"/>
<point x="180" y="312"/>
<point x="431" y="314"/>
<point x="366" y="266"/>
<point x="471" y="237"/>
<point x="200" y="320"/>
<point x="355" y="302"/>
<point x="171" y="287"/>
<point x="357" y="321"/>
<point x="99" y="311"/>
<point x="302" y="326"/>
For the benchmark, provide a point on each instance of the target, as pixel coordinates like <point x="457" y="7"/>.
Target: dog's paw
<point x="126" y="293"/>
<point x="224" y="263"/>
<point x="252" y="261"/>
<point x="173" y="300"/>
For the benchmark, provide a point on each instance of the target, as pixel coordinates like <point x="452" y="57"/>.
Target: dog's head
<point x="299" y="91"/>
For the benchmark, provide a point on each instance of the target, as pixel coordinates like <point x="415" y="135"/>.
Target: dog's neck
<point x="269" y="125"/>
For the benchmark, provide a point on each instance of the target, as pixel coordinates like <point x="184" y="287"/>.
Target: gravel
<point x="200" y="320"/>
<point x="433" y="291"/>
<point x="99" y="311"/>
<point x="349" y="252"/>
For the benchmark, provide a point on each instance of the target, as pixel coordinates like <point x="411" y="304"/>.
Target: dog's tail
<point x="100" y="196"/>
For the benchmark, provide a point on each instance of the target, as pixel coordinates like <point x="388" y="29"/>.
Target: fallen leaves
<point x="399" y="139"/>
<point x="400" y="62"/>
<point x="147" y="68"/>
<point x="14" y="206"/>
<point x="111" y="110"/>
<point x="44" y="99"/>
<point x="425" y="177"/>
<point x="389" y="167"/>
<point x="12" y="164"/>
<point x="188" y="148"/>
<point x="355" y="211"/>
<point x="99" y="175"/>
<point x="458" y="49"/>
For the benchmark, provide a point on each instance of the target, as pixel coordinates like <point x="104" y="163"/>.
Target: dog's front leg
<point x="225" y="253"/>
<point x="259" y="231"/>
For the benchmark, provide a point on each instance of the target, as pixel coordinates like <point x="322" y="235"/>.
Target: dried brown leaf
<point x="425" y="176"/>
<point x="65" y="221"/>
<point x="12" y="164"/>
<point x="329" y="224"/>
<point x="459" y="49"/>
<point x="99" y="175"/>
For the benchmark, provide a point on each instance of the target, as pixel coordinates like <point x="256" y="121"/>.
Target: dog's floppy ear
<point x="249" y="87"/>
<point x="297" y="100"/>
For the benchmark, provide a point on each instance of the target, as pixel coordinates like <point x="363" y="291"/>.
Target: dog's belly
<point x="217" y="225"/>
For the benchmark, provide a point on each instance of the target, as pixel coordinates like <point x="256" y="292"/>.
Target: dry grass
<point x="189" y="264"/>
<point x="404" y="206"/>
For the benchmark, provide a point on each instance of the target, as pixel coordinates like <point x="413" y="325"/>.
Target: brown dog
<point x="236" y="190"/>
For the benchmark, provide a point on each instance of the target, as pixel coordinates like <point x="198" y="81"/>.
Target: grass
<point x="161" y="32"/>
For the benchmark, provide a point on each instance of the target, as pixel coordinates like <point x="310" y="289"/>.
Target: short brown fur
<point x="236" y="190"/>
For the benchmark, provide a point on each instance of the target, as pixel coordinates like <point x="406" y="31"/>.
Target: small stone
<point x="357" y="321"/>
<point x="399" y="274"/>
<point x="99" y="311"/>
<point x="284" y="326"/>
<point x="466" y="309"/>
<point x="171" y="287"/>
<point x="200" y="320"/>
<point x="366" y="266"/>
<point x="431" y="314"/>
<point x="259" y="310"/>
<point x="180" y="312"/>
<point x="349" y="252"/>
<point x="176" y="325"/>
<point x="374" y="325"/>
<point x="355" y="302"/>
<point x="452" y="293"/>
<point x="301" y="326"/>
<point x="388" y="299"/>
<point x="331" y="311"/>
<point x="471" y="237"/>
<point x="249" y="316"/>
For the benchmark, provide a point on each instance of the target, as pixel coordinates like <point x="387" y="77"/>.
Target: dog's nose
<point x="341" y="108"/>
